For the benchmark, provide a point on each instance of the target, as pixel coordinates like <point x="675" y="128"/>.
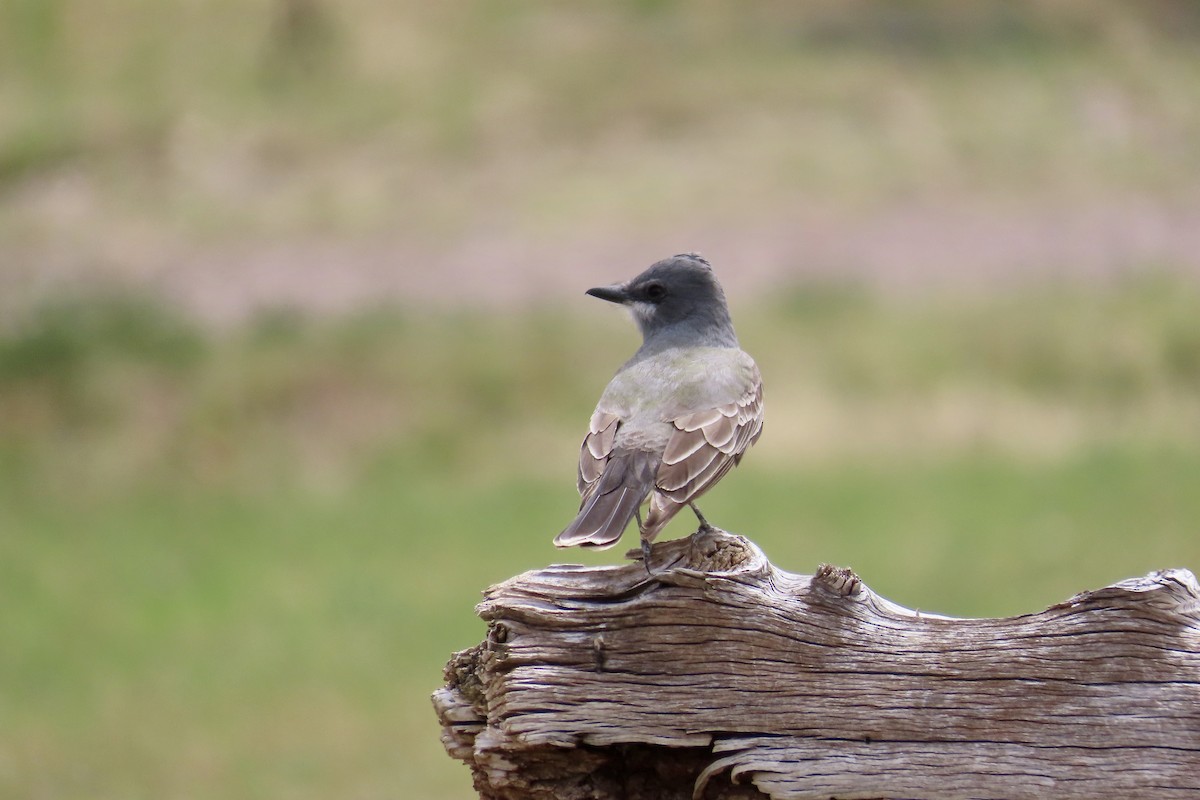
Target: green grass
<point x="233" y="565"/>
<point x="200" y="646"/>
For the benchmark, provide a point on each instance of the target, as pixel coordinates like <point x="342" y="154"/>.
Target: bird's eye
<point x="655" y="292"/>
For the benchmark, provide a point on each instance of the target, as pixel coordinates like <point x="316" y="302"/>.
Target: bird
<point x="675" y="418"/>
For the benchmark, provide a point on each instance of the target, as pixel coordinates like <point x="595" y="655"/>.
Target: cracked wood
<point x="754" y="682"/>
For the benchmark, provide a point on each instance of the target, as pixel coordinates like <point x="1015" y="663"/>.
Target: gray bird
<point x="676" y="417"/>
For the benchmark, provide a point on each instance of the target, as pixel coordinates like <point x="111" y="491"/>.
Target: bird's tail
<point x="612" y="501"/>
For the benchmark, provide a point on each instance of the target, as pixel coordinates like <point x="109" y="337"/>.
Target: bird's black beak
<point x="613" y="294"/>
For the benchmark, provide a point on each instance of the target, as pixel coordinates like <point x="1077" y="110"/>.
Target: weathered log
<point x="720" y="676"/>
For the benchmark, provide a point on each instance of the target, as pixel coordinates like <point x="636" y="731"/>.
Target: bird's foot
<point x="647" y="549"/>
<point x="705" y="527"/>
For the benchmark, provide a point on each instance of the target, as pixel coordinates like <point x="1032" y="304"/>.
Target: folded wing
<point x="705" y="445"/>
<point x="613" y="482"/>
<point x="597" y="449"/>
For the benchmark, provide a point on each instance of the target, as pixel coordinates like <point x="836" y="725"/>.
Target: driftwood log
<point x="720" y="676"/>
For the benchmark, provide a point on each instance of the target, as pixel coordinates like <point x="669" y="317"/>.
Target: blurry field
<point x="233" y="565"/>
<point x="237" y="545"/>
<point x="404" y="140"/>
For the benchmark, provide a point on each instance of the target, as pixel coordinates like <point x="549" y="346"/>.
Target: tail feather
<point x="614" y="500"/>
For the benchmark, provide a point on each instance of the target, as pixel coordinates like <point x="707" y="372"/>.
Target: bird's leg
<point x="704" y="526"/>
<point x="645" y="543"/>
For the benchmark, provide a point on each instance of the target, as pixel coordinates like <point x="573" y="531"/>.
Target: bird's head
<point x="678" y="295"/>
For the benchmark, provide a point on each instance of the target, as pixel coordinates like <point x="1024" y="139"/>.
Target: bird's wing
<point x="612" y="484"/>
<point x="597" y="448"/>
<point x="707" y="444"/>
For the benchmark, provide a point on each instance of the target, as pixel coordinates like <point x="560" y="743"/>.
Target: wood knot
<point x="840" y="581"/>
<point x="718" y="551"/>
<point x="497" y="642"/>
<point x="462" y="673"/>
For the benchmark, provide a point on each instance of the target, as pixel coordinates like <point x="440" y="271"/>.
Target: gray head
<point x="676" y="301"/>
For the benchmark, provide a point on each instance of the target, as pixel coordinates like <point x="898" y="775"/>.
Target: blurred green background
<point x="294" y="356"/>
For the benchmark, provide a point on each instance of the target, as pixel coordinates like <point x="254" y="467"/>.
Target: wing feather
<point x="720" y="434"/>
<point x="672" y="477"/>
<point x="697" y="419"/>
<point x="597" y="448"/>
<point x="706" y="444"/>
<point x="682" y="447"/>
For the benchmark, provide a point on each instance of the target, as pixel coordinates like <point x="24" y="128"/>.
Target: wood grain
<point x="721" y="676"/>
